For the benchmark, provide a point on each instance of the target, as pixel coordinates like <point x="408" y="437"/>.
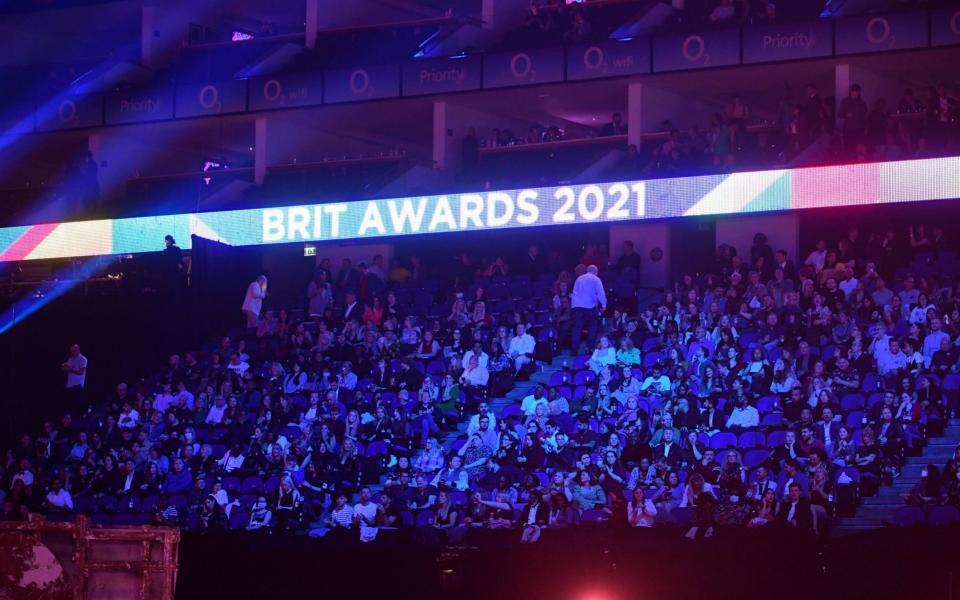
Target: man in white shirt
<point x="25" y="475"/>
<point x="474" y="374"/>
<point x="347" y="378"/>
<point x="365" y="516"/>
<point x="75" y="368"/>
<point x="58" y="498"/>
<point x="488" y="434"/>
<point x="892" y="361"/>
<point x="849" y="283"/>
<point x="482" y="357"/>
<point x="587" y="301"/>
<point x="743" y="417"/>
<point x="215" y="415"/>
<point x="818" y="257"/>
<point x="473" y="426"/>
<point x="521" y="347"/>
<point x="184" y="398"/>
<point x="238" y="366"/>
<point x="528" y="405"/>
<point x="931" y="343"/>
<point x="164" y="400"/>
<point x="253" y="301"/>
<point x="129" y="417"/>
<point x="656" y="382"/>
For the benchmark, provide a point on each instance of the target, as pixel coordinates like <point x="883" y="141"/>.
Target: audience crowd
<point x="768" y="392"/>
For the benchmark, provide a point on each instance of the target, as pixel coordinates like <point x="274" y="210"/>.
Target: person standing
<point x="172" y="263"/>
<point x="587" y="301"/>
<point x="76" y="369"/>
<point x="253" y="302"/>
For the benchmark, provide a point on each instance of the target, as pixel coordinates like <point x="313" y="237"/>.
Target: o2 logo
<point x="274" y="93"/>
<point x="880" y="33"/>
<point x="359" y="82"/>
<point x="694" y="50"/>
<point x="521" y="66"/>
<point x="209" y="98"/>
<point x="67" y="111"/>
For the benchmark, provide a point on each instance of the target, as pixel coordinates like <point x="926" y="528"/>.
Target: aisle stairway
<point x="877" y="511"/>
<point x="521" y="389"/>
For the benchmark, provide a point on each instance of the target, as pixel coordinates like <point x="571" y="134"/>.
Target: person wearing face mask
<point x="260" y="517"/>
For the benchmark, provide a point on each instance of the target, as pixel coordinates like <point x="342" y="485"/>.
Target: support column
<point x="648" y="107"/>
<point x="872" y="85"/>
<point x="451" y="123"/>
<point x="442" y="136"/>
<point x="148" y="33"/>
<point x="260" y="151"/>
<point x="313" y="22"/>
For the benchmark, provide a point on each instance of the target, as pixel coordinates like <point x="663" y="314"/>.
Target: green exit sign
<point x="309" y="250"/>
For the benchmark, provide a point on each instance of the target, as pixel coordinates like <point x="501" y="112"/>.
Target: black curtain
<point x="219" y="278"/>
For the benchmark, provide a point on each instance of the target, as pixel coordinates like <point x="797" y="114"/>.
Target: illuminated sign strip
<point x="737" y="193"/>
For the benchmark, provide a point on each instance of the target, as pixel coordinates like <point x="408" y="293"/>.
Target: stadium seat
<point x="852" y="402"/>
<point x="251" y="485"/>
<point x="943" y="515"/>
<point x="723" y="440"/>
<point x="906" y="516"/>
<point x="425" y="518"/>
<point x="751" y="439"/>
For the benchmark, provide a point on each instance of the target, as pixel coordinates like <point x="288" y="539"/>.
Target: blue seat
<point x="943" y="515"/>
<point x="751" y="439"/>
<point x="906" y="516"/>
<point x="723" y="440"/>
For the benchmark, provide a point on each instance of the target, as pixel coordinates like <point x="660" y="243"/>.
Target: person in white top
<point x="521" y="348"/>
<point x="473" y="426"/>
<point x="253" y="301"/>
<point x="641" y="512"/>
<point x="587" y="301"/>
<point x="528" y="406"/>
<point x="129" y="417"/>
<point x="215" y="414"/>
<point x="817" y="258"/>
<point x="482" y="357"/>
<point x="603" y="355"/>
<point x="75" y="368"/>
<point x="58" y="498"/>
<point x="365" y="516"/>
<point x="475" y="374"/>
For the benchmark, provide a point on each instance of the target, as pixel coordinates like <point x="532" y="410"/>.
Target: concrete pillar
<point x="647" y="238"/>
<point x="313" y="22"/>
<point x="260" y="150"/>
<point x="634" y="112"/>
<point x="450" y="124"/>
<point x="872" y="85"/>
<point x="147" y="36"/>
<point x="648" y="107"/>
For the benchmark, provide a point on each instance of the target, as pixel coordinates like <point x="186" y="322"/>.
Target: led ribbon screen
<point x="736" y="193"/>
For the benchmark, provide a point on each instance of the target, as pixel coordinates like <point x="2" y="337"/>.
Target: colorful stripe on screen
<point x="736" y="193"/>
